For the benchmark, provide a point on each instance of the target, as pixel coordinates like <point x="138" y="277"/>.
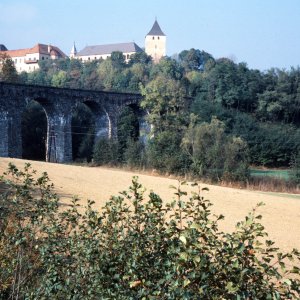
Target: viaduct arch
<point x="58" y="104"/>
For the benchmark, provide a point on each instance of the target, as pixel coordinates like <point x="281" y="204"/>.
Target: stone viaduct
<point x="58" y="104"/>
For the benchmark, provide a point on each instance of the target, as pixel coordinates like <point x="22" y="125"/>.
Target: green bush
<point x="164" y="153"/>
<point x="136" y="247"/>
<point x="106" y="152"/>
<point x="134" y="155"/>
<point x="214" y="154"/>
<point x="295" y="168"/>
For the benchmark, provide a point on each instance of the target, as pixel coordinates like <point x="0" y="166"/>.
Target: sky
<point x="261" y="33"/>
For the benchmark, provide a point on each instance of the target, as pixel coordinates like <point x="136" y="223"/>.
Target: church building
<point x="104" y="51"/>
<point x="155" y="46"/>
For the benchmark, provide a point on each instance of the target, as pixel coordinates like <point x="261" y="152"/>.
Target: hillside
<point x="281" y="214"/>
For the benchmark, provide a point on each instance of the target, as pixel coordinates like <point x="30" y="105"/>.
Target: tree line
<point x="210" y="117"/>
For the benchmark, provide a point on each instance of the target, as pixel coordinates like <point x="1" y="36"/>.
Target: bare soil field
<point x="281" y="214"/>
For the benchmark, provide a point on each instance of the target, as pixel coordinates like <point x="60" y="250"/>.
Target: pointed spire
<point x="155" y="30"/>
<point x="73" y="51"/>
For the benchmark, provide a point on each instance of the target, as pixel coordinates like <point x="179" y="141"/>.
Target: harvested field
<point x="281" y="214"/>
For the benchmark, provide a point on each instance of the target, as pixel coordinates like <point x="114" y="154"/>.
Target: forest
<point x="211" y="118"/>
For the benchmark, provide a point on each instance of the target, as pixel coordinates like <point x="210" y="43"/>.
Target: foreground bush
<point x="134" y="248"/>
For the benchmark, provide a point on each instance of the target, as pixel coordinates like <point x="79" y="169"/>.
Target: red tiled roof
<point x="38" y="48"/>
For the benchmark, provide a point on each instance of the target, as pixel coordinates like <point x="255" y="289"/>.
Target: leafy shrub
<point x="214" y="154"/>
<point x="295" y="168"/>
<point x="236" y="165"/>
<point x="106" y="152"/>
<point x="134" y="248"/>
<point x="134" y="154"/>
<point x="164" y="153"/>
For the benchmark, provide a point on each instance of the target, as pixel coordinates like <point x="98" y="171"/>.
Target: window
<point x="153" y="38"/>
<point x="158" y="37"/>
<point x="89" y="58"/>
<point x="43" y="57"/>
<point x="95" y="57"/>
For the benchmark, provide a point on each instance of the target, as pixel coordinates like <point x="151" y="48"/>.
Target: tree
<point x="34" y="132"/>
<point x="295" y="167"/>
<point x="8" y="72"/>
<point x="83" y="133"/>
<point x="106" y="73"/>
<point x="128" y="131"/>
<point x="139" y="75"/>
<point x="214" y="154"/>
<point x="165" y="155"/>
<point x="194" y="59"/>
<point x="165" y="101"/>
<point x="167" y="67"/>
<point x="117" y="59"/>
<point x="236" y="164"/>
<point x="140" y="58"/>
<point x="59" y="79"/>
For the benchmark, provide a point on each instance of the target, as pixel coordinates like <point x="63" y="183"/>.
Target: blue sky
<point x="262" y="33"/>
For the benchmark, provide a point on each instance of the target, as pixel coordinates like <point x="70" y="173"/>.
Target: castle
<point x="155" y="46"/>
<point x="27" y="59"/>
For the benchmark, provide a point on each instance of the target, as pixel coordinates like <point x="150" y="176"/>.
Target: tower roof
<point x="155" y="30"/>
<point x="74" y="50"/>
<point x="2" y="48"/>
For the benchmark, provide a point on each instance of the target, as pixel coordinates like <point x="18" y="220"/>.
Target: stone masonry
<point x="58" y="104"/>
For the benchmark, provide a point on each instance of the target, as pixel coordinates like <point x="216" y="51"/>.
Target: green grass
<point x="281" y="174"/>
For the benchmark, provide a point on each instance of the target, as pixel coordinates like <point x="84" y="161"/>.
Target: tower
<point x="73" y="51"/>
<point x="155" y="43"/>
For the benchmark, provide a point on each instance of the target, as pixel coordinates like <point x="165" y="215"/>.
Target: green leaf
<point x="195" y="226"/>
<point x="287" y="281"/>
<point x="186" y="282"/>
<point x="183" y="256"/>
<point x="183" y="239"/>
<point x="230" y="288"/>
